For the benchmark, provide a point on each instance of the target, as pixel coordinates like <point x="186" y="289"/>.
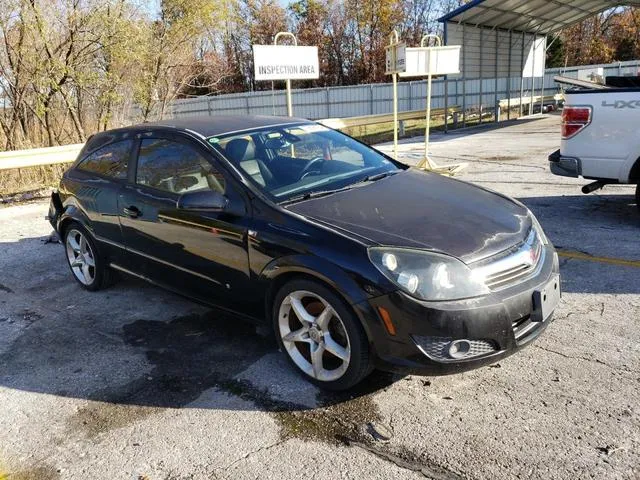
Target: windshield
<point x="291" y="161"/>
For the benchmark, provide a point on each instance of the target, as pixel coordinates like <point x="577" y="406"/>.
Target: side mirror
<point x="208" y="200"/>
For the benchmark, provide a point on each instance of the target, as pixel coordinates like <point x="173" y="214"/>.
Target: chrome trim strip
<point x="110" y="242"/>
<point x="177" y="267"/>
<point x="155" y="259"/>
<point x="201" y="226"/>
<point x="129" y="272"/>
<point x="525" y="261"/>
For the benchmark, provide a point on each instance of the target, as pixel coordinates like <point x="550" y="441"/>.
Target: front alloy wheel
<point x="321" y="337"/>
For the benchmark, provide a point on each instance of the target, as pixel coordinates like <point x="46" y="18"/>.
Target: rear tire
<point x="87" y="266"/>
<point x="320" y="335"/>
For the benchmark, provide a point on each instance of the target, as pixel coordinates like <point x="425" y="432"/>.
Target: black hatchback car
<point x="356" y="260"/>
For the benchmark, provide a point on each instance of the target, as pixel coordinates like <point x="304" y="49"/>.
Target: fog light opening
<point x="459" y="349"/>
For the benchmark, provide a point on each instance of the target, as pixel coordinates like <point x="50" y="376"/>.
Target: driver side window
<point x="176" y="168"/>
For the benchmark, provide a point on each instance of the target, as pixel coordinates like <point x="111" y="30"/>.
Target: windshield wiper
<point x="322" y="193"/>
<point x="379" y="176"/>
<point x="310" y="195"/>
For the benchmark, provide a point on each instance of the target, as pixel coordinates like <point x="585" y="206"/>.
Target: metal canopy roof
<point x="531" y="16"/>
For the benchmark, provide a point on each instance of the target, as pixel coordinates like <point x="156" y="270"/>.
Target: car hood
<point x="414" y="209"/>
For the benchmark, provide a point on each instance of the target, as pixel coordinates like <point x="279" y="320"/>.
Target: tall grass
<point x="37" y="181"/>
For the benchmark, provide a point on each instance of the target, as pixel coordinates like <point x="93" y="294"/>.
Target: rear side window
<point x="110" y="161"/>
<point x="175" y="167"/>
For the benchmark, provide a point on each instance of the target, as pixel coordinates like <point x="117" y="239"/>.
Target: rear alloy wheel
<point x="86" y="265"/>
<point x="321" y="337"/>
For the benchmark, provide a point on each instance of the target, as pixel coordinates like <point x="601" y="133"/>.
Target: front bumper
<point x="495" y="326"/>
<point x="564" y="166"/>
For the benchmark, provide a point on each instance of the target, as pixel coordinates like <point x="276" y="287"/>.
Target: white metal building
<point x="505" y="42"/>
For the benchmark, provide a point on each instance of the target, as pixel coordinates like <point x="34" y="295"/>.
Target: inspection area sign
<point x="285" y="62"/>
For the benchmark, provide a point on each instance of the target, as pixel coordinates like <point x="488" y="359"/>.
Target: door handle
<point x="132" y="211"/>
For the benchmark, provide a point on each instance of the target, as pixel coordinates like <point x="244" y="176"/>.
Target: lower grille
<point x="437" y="348"/>
<point x="523" y="327"/>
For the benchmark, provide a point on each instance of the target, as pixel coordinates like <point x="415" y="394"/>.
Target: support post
<point x="288" y="81"/>
<point x="393" y="41"/>
<point x="481" y="70"/>
<point x="544" y="75"/>
<point x="446" y="105"/>
<point x="533" y="73"/>
<point x="495" y="90"/>
<point x="394" y="76"/>
<point x="328" y="103"/>
<point x="289" y="104"/>
<point x="522" y="72"/>
<point x="464" y="78"/>
<point x="428" y="127"/>
<point x="371" y="99"/>
<point x="509" y="76"/>
<point x="446" y="87"/>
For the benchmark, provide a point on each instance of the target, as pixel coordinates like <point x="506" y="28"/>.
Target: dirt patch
<point x="99" y="418"/>
<point x="500" y="158"/>
<point x="42" y="472"/>
<point x="340" y="418"/>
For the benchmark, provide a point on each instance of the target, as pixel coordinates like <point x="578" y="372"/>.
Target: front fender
<point x="323" y="270"/>
<point x="354" y="289"/>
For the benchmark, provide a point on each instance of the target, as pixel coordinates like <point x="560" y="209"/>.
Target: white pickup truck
<point x="600" y="137"/>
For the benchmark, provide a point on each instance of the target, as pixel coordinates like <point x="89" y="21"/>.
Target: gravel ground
<point x="136" y="383"/>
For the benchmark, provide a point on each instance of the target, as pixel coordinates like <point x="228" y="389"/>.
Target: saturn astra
<point x="357" y="261"/>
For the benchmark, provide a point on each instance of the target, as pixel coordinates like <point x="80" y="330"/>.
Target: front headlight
<point x="538" y="228"/>
<point x="426" y="275"/>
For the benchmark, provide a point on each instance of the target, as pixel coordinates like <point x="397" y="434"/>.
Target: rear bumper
<point x="55" y="211"/>
<point x="565" y="166"/>
<point x="496" y="326"/>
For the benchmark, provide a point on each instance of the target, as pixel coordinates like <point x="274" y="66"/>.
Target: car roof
<point x="206" y="126"/>
<point x="211" y="126"/>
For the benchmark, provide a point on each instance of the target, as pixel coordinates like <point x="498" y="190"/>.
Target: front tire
<point x="88" y="268"/>
<point x="320" y="335"/>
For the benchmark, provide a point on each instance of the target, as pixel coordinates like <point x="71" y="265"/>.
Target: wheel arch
<point x="634" y="174"/>
<point x="72" y="214"/>
<point x="281" y="271"/>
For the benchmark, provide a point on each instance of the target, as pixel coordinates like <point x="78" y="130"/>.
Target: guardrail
<point x="36" y="157"/>
<point x="68" y="153"/>
<point x="340" y="123"/>
<point x="516" y="102"/>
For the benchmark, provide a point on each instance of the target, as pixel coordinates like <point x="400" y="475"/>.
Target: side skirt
<point x="242" y="316"/>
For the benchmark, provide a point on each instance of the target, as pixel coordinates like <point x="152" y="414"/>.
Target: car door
<point x="202" y="254"/>
<point x="96" y="181"/>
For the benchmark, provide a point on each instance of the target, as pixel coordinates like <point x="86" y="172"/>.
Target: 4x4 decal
<point x="622" y="104"/>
